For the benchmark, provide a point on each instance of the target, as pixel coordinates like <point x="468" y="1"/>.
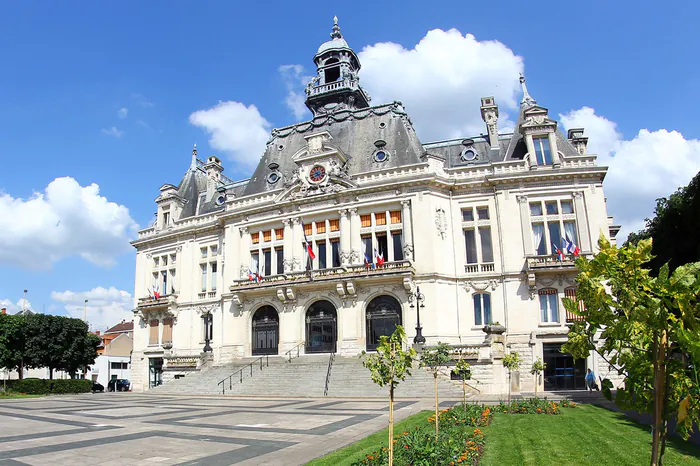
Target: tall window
<point x="172" y="281"/>
<point x="163" y="277"/>
<point x="214" y="268"/>
<point x="168" y="330"/>
<point x="279" y="256"/>
<point x="549" y="305"/>
<point x="153" y="332"/>
<point x="552" y="222"/>
<point x="166" y="219"/>
<point x="335" y="251"/>
<point x="470" y="240"/>
<point x="321" y="254"/>
<point x="382" y="246"/>
<point x="267" y="266"/>
<point x="164" y="283"/>
<point x="482" y="309"/>
<point x="254" y="261"/>
<point x="477" y="235"/>
<point x="367" y="247"/>
<point x="397" y="240"/>
<point x="543" y="154"/>
<point x="204" y="277"/>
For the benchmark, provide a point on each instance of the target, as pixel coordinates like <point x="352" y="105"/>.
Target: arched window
<point x="332" y="73"/>
<point x="549" y="305"/>
<point x="265" y="331"/>
<point x="321" y="327"/>
<point x="383" y="315"/>
<point x="571" y="294"/>
<point x="482" y="309"/>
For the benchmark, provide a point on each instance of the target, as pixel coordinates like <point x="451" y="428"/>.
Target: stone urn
<point x="494" y="329"/>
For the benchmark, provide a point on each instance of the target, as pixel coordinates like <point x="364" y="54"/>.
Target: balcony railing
<point x="551" y="261"/>
<point x="479" y="268"/>
<point x="149" y="301"/>
<point x="344" y="84"/>
<point x="348" y="271"/>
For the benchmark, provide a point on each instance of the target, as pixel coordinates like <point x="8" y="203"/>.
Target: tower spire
<point x="527" y="98"/>
<point x="336" y="29"/>
<point x="193" y="165"/>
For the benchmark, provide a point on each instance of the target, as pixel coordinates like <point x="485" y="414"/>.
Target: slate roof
<point x="121" y="327"/>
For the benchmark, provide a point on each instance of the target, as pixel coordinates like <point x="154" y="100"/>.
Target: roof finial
<point x="193" y="165"/>
<point x="336" y="29"/>
<point x="527" y="98"/>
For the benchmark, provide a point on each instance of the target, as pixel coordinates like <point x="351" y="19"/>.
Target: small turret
<point x="489" y="113"/>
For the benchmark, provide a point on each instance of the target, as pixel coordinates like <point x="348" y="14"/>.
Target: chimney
<point x="578" y="140"/>
<point x="214" y="169"/>
<point x="489" y="113"/>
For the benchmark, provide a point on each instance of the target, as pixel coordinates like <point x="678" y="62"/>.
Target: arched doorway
<point x="266" y="327"/>
<point x="383" y="315"/>
<point x="321" y="328"/>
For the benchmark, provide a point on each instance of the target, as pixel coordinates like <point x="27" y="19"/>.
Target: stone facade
<point x="470" y="222"/>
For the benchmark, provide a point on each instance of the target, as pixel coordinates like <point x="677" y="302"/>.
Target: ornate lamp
<point x="419" y="298"/>
<point x="207" y="336"/>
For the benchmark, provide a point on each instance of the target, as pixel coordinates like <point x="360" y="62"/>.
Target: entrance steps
<point x="306" y="376"/>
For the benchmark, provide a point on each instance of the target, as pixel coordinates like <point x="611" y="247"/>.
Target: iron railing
<point x="296" y="348"/>
<point x="240" y="372"/>
<point x="328" y="373"/>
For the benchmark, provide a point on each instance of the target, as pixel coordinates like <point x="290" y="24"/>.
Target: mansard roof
<point x="354" y="132"/>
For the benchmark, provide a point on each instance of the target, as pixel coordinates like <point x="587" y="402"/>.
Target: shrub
<point x="533" y="406"/>
<point x="46" y="387"/>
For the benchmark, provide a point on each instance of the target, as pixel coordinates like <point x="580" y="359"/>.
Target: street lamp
<point x="207" y="332"/>
<point x="419" y="297"/>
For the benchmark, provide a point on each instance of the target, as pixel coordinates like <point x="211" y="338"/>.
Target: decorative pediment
<point x="537" y="117"/>
<point x="318" y="147"/>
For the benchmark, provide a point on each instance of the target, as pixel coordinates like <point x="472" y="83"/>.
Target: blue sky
<point x="71" y="67"/>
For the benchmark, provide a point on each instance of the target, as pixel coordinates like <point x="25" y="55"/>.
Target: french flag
<point x="309" y="249"/>
<point x="560" y="253"/>
<point x="368" y="263"/>
<point x="251" y="275"/>
<point x="379" y="258"/>
<point x="571" y="247"/>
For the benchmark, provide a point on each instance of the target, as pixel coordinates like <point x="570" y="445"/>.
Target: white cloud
<point x="14" y="308"/>
<point x="651" y="165"/>
<point x="122" y="113"/>
<point x="141" y="100"/>
<point x="113" y="131"/>
<point x="234" y="128"/>
<point x="293" y="77"/>
<point x="65" y="220"/>
<point x="105" y="307"/>
<point x="442" y="79"/>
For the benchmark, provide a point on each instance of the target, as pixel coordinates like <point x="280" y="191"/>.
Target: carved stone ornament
<point x="355" y="256"/>
<point x="243" y="271"/>
<point x="577" y="194"/>
<point x="441" y="222"/>
<point x="521" y="198"/>
<point x="480" y="285"/>
<point x="408" y="251"/>
<point x="345" y="257"/>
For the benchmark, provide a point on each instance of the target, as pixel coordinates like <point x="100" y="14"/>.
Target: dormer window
<point x="166" y="219"/>
<point x="468" y="155"/>
<point x="332" y="74"/>
<point x="542" y="150"/>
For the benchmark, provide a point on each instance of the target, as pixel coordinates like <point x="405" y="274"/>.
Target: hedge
<point x="46" y="387"/>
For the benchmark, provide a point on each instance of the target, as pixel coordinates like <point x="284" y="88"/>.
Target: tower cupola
<point x="336" y="85"/>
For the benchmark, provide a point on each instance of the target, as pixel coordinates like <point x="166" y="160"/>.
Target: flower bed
<point x="534" y="406"/>
<point x="460" y="440"/>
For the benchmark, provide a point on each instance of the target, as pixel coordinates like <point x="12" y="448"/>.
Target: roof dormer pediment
<point x="318" y="148"/>
<point x="536" y="117"/>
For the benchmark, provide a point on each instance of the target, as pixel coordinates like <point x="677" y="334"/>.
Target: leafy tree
<point x="12" y="343"/>
<point x="45" y="341"/>
<point x="674" y="229"/>
<point x="650" y="327"/>
<point x="389" y="366"/>
<point x="537" y="368"/>
<point x="511" y="361"/>
<point x="435" y="358"/>
<point x="79" y="346"/>
<point x="464" y="370"/>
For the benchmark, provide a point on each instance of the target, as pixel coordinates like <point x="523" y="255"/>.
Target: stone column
<point x="528" y="242"/>
<point x="244" y="252"/>
<point x="288" y="244"/>
<point x="297" y="251"/>
<point x="344" y="237"/>
<point x="355" y="243"/>
<point x="584" y="235"/>
<point x="556" y="160"/>
<point x="407" y="230"/>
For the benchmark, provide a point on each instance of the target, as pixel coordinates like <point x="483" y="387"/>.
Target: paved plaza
<point x="134" y="429"/>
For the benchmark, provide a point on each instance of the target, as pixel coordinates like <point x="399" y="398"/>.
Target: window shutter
<point x="365" y="220"/>
<point x="308" y="229"/>
<point x="395" y="217"/>
<point x="153" y="335"/>
<point x="381" y="218"/>
<point x="279" y="233"/>
<point x="267" y="236"/>
<point x="320" y="227"/>
<point x="168" y="330"/>
<point x="335" y="224"/>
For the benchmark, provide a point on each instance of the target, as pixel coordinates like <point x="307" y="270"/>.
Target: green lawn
<point x="17" y="395"/>
<point x="586" y="435"/>
<point x="360" y="449"/>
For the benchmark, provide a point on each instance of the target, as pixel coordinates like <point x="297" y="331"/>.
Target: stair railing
<point x="328" y="373"/>
<point x="296" y="348"/>
<point x="240" y="372"/>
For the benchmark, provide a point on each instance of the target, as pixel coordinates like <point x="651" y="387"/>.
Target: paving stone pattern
<point x="139" y="429"/>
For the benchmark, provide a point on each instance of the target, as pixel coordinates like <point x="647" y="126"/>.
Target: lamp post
<point x="418" y="297"/>
<point x="207" y="332"/>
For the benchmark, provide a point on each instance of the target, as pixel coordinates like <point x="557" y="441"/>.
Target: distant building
<point x="114" y="360"/>
<point x="487" y="226"/>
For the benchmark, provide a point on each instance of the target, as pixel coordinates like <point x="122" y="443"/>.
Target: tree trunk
<point x="660" y="343"/>
<point x="509" y="385"/>
<point x="21" y="369"/>
<point x="664" y="435"/>
<point x="391" y="425"/>
<point x="464" y="394"/>
<point x="437" y="414"/>
<point x="50" y="373"/>
<point x="537" y="379"/>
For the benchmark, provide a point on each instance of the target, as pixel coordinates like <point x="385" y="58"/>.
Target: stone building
<point x="475" y="223"/>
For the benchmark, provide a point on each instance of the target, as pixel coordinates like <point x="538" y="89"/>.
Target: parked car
<point x="97" y="387"/>
<point x="118" y="385"/>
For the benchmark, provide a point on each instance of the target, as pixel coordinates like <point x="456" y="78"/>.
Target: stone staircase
<point x="305" y="376"/>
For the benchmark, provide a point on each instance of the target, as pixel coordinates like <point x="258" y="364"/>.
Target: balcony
<point x="479" y="268"/>
<point x="148" y="303"/>
<point x="206" y="294"/>
<point x="325" y="275"/>
<point x="552" y="262"/>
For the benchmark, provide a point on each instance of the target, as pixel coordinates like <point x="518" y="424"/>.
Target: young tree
<point x="12" y="343"/>
<point x="389" y="366"/>
<point x="537" y="368"/>
<point x="511" y="361"/>
<point x="79" y="346"/>
<point x="435" y="358"/>
<point x="650" y="329"/>
<point x="464" y="370"/>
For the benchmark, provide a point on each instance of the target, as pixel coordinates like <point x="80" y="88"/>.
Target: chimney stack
<point x="489" y="113"/>
<point x="214" y="169"/>
<point x="578" y="140"/>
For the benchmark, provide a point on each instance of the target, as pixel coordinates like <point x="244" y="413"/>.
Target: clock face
<point x="317" y="174"/>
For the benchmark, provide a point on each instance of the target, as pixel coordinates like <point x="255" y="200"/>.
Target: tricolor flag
<point x="368" y="263"/>
<point x="156" y="295"/>
<point x="560" y="253"/>
<point x="378" y="258"/>
<point x="571" y="247"/>
<point x="251" y="275"/>
<point x="309" y="249"/>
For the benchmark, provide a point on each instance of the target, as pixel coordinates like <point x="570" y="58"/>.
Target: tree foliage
<point x="464" y="370"/>
<point x="650" y="332"/>
<point x="389" y="366"/>
<point x="433" y="359"/>
<point x="675" y="229"/>
<point x="537" y="368"/>
<point x="42" y="340"/>
<point x="511" y="361"/>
